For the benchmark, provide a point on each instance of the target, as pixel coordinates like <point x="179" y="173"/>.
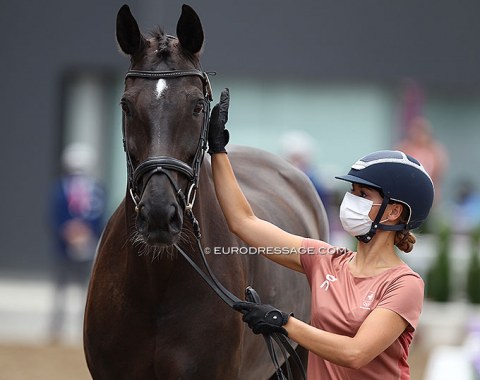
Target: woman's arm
<point x="243" y="222"/>
<point x="238" y="213"/>
<point x="353" y="352"/>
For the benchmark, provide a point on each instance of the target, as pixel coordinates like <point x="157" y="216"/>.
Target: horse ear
<point x="129" y="37"/>
<point x="189" y="30"/>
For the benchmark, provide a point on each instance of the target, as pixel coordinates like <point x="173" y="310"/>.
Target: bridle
<point x="165" y="164"/>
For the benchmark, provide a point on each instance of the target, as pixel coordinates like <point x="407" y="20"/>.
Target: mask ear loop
<point x="376" y="223"/>
<point x="394" y="227"/>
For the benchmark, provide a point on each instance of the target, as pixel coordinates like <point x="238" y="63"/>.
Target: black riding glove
<point x="218" y="136"/>
<point x="263" y="318"/>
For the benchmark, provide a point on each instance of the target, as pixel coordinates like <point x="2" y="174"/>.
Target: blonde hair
<point x="404" y="239"/>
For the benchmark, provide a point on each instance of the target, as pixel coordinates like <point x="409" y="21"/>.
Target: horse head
<point x="165" y="117"/>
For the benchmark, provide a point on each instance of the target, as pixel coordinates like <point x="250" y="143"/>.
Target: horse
<point x="148" y="314"/>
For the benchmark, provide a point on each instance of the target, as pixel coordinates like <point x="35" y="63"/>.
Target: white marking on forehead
<point x="161" y="87"/>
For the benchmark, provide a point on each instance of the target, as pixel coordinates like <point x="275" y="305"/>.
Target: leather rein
<point x="164" y="164"/>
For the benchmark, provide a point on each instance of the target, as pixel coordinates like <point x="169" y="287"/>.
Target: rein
<point x="164" y="164"/>
<point x="250" y="295"/>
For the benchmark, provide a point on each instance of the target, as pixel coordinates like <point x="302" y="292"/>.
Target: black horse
<point x="148" y="314"/>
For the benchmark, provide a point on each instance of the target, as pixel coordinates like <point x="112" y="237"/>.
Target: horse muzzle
<point x="160" y="207"/>
<point x="159" y="218"/>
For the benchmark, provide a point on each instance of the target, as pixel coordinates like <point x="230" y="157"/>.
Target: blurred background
<point x="320" y="83"/>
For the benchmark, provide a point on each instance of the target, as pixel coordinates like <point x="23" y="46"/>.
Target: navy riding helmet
<point x="399" y="178"/>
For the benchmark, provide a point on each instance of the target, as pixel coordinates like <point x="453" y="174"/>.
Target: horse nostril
<point x="175" y="219"/>
<point x="172" y="215"/>
<point x="142" y="211"/>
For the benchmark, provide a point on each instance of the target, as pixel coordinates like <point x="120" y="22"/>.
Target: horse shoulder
<point x="279" y="192"/>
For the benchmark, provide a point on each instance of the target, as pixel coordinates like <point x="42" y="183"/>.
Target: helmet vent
<point x="387" y="156"/>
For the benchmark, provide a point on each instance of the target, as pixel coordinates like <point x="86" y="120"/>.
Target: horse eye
<point x="199" y="107"/>
<point x="125" y="108"/>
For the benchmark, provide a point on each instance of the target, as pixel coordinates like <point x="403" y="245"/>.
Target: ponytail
<point x="404" y="239"/>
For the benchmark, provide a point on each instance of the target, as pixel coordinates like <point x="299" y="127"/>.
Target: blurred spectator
<point x="77" y="210"/>
<point x="298" y="147"/>
<point x="421" y="144"/>
<point x="412" y="102"/>
<point x="466" y="210"/>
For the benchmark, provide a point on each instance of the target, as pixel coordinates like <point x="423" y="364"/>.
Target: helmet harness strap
<point x="377" y="225"/>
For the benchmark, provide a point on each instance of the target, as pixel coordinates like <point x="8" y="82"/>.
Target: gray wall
<point x="435" y="42"/>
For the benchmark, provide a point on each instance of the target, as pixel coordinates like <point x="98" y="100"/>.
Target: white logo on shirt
<point x="368" y="300"/>
<point x="328" y="281"/>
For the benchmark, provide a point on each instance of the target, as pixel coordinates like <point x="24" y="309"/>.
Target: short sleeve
<point x="404" y="296"/>
<point x="317" y="255"/>
<point x="307" y="257"/>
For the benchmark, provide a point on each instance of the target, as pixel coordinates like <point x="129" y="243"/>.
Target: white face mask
<point x="354" y="214"/>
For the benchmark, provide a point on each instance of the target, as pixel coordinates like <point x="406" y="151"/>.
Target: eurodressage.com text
<point x="274" y="250"/>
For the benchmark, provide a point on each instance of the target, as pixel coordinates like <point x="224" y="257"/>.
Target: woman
<point x="365" y="304"/>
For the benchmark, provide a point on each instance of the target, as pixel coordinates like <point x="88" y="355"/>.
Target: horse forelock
<point x="160" y="42"/>
<point x="167" y="49"/>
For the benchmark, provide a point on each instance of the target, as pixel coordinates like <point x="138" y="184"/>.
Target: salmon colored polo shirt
<point x="341" y="302"/>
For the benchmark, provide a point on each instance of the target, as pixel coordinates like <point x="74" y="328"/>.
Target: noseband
<point x="165" y="164"/>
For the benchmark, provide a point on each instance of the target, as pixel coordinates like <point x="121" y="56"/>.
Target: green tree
<point x="438" y="276"/>
<point x="473" y="273"/>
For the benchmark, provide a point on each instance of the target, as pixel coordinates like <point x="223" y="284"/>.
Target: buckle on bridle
<point x="134" y="198"/>
<point x="190" y="200"/>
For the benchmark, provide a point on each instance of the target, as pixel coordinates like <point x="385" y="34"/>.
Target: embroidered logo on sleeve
<point x="368" y="300"/>
<point x="326" y="284"/>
